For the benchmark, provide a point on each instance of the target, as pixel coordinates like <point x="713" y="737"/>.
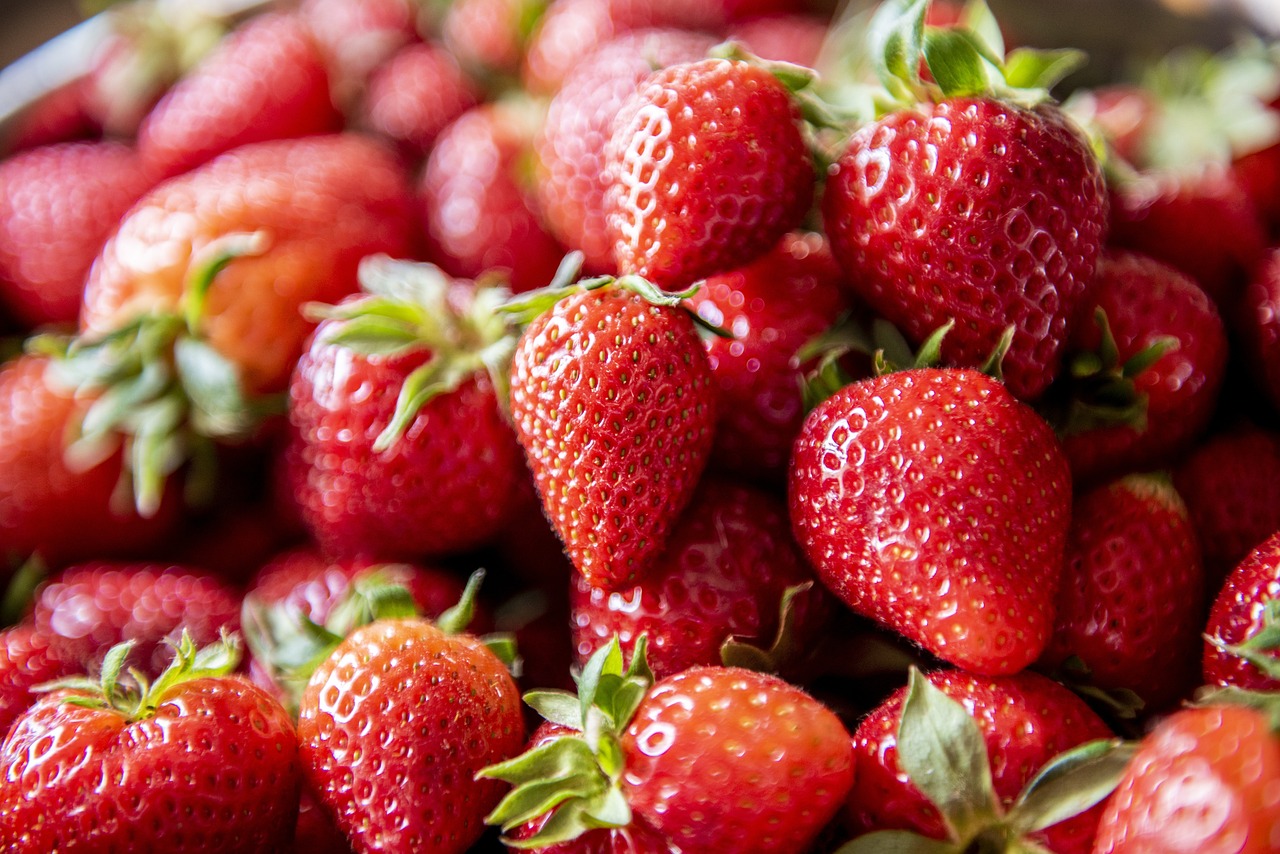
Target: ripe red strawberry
<point x="403" y="449"/>
<point x="665" y="760"/>
<point x="935" y="502"/>
<point x="478" y="209"/>
<point x="1131" y="603"/>
<point x="394" y="727"/>
<point x="1201" y="782"/>
<point x="357" y="36"/>
<point x="490" y="35"/>
<point x="1137" y="407"/>
<point x="57" y="206"/>
<point x="1259" y="325"/>
<point x="570" y="148"/>
<point x="27" y="660"/>
<point x="1231" y="485"/>
<point x="727" y="565"/>
<point x="772" y="307"/>
<point x="415" y="94"/>
<point x="611" y="398"/>
<point x="795" y="38"/>
<point x="266" y="81"/>
<point x="967" y="208"/>
<point x="90" y="608"/>
<point x="199" y="761"/>
<point x="60" y="116"/>
<point x="1241" y="623"/>
<point x="708" y="169"/>
<point x="999" y="734"/>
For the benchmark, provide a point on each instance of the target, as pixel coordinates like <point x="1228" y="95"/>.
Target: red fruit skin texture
<point x="1025" y="719"/>
<point x="726" y="565"/>
<point x="414" y="96"/>
<point x="977" y="211"/>
<point x="708" y="170"/>
<point x="937" y="504"/>
<point x="771" y="308"/>
<point x="794" y="38"/>
<point x="1231" y="485"/>
<point x="1145" y="299"/>
<point x="479" y="214"/>
<point x="1260" y="325"/>
<point x="58" y="204"/>
<point x="489" y="34"/>
<point x="214" y="770"/>
<point x="42" y="499"/>
<point x="92" y="607"/>
<point x="393" y="728"/>
<point x="27" y="659"/>
<point x="571" y="178"/>
<point x="1237" y="615"/>
<point x="59" y="116"/>
<point x="324" y="203"/>
<point x="1202" y="782"/>
<point x="612" y="402"/>
<point x="444" y="486"/>
<point x="266" y="81"/>
<point x="1132" y="598"/>
<point x="357" y="36"/>
<point x="724" y="759"/>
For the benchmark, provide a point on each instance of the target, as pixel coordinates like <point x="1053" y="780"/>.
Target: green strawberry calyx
<point x="967" y="60"/>
<point x="1121" y="703"/>
<point x="943" y="753"/>
<point x="783" y="651"/>
<point x="577" y="777"/>
<point x="1262" y="647"/>
<point x="411" y="306"/>
<point x="135" y="697"/>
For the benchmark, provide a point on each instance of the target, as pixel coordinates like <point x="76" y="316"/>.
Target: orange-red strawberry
<point x="414" y="96"/>
<point x="612" y="401"/>
<point x="1240" y="638"/>
<point x="266" y="81"/>
<point x="935" y="502"/>
<point x="708" y="169"/>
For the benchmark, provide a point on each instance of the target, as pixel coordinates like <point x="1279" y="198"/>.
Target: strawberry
<point x="1130" y="544"/>
<point x="1240" y="638"/>
<point x="953" y="756"/>
<point x="570" y="147"/>
<point x="357" y="36"/>
<point x="773" y="307"/>
<point x="490" y="35"/>
<point x="723" y="576"/>
<point x="968" y="207"/>
<point x="404" y="451"/>
<point x="266" y="81"/>
<point x="58" y="204"/>
<point x="1145" y="374"/>
<point x="90" y="608"/>
<point x="649" y="759"/>
<point x="707" y="168"/>
<point x="612" y="401"/>
<point x="197" y="761"/>
<point x="393" y="728"/>
<point x="1200" y="782"/>
<point x="1259" y="325"/>
<point x="414" y="95"/>
<point x="795" y="38"/>
<point x="57" y="117"/>
<point x="27" y="660"/>
<point x="479" y="213"/>
<point x="936" y="503"/>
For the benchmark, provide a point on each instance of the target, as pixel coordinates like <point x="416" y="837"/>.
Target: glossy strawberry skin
<point x="726" y="565"/>
<point x="708" y="170"/>
<point x="445" y="486"/>
<point x="324" y="204"/>
<point x="977" y="211"/>
<point x="266" y="81"/>
<point x="58" y="204"/>
<point x="91" y="607"/>
<point x="570" y="147"/>
<point x="1237" y="615"/>
<point x="934" y="502"/>
<point x="1025" y="721"/>
<point x="414" y="96"/>
<point x="1143" y="300"/>
<point x="27" y="659"/>
<point x="214" y="770"/>
<point x="612" y="401"/>
<point x="1131" y="544"/>
<point x="394" y="726"/>
<point x="772" y="308"/>
<point x="1200" y="782"/>
<point x="710" y="731"/>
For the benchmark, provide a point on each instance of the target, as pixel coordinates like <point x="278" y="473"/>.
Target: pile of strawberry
<point x="879" y="460"/>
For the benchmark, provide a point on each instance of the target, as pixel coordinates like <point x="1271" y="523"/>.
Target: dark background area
<point x="26" y="23"/>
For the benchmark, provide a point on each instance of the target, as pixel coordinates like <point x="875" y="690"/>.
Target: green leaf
<point x="1070" y="783"/>
<point x="1266" y="702"/>
<point x="896" y="842"/>
<point x="427" y="382"/>
<point x="1139" y="362"/>
<point x="112" y="664"/>
<point x="954" y="62"/>
<point x="605" y="660"/>
<point x="979" y="20"/>
<point x="456" y="619"/>
<point x="942" y="751"/>
<point x="994" y="365"/>
<point x="609" y="810"/>
<point x="568" y="822"/>
<point x="504" y="648"/>
<point x="559" y="707"/>
<point x="738" y="653"/>
<point x="21" y="590"/>
<point x="559" y="757"/>
<point x="209" y="262"/>
<point x="1027" y="68"/>
<point x="374" y="335"/>
<point x="896" y="35"/>
<point x="930" y="354"/>
<point x="544" y="777"/>
<point x="212" y="383"/>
